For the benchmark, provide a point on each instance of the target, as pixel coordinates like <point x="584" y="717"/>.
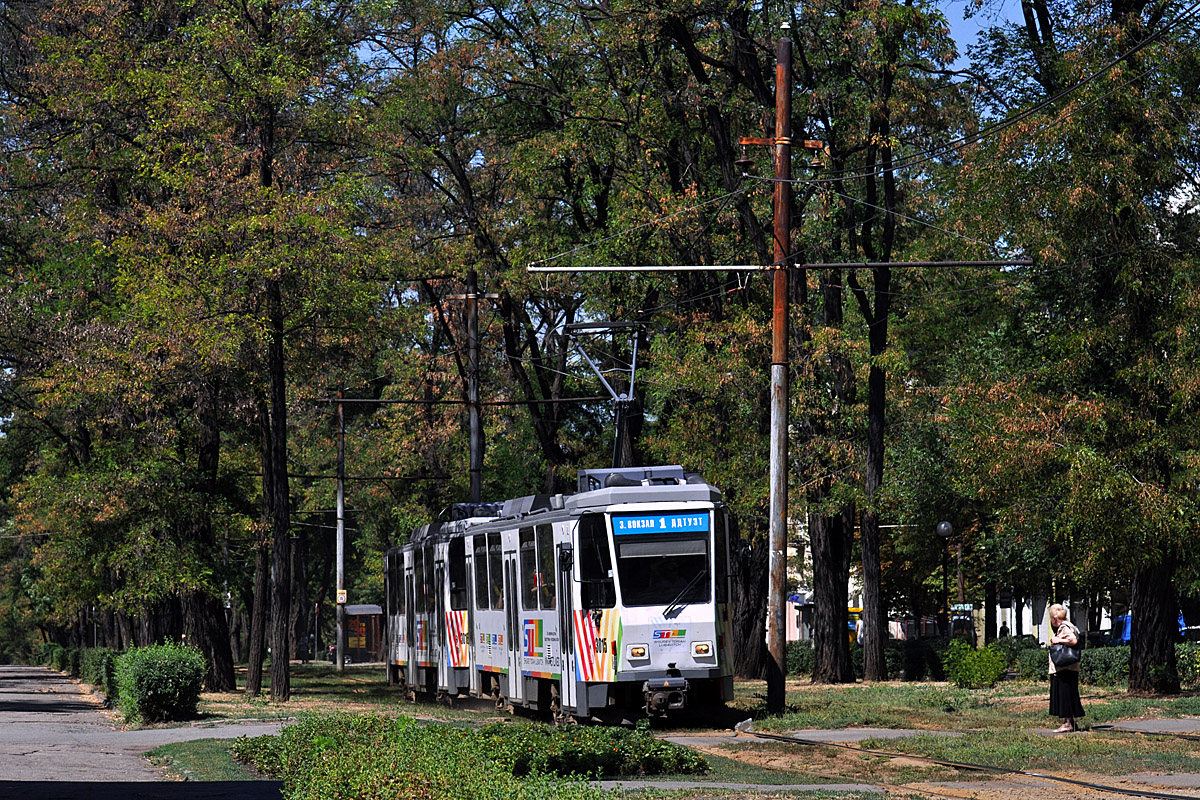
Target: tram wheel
<point x="557" y="715"/>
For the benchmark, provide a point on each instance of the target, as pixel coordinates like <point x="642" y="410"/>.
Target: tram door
<point x="512" y="600"/>
<point x="566" y="624"/>
<point x="439" y="621"/>
<point x="408" y="649"/>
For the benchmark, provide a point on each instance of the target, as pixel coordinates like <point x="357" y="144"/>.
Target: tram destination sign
<point x="693" y="522"/>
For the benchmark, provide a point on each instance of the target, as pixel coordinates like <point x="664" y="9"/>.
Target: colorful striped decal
<point x="554" y="676"/>
<point x="598" y="645"/>
<point x="499" y="670"/>
<point x="457" y="633"/>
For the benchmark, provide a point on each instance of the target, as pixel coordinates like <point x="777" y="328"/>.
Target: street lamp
<point x="945" y="530"/>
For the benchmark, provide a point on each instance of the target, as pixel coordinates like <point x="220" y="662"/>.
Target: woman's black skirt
<point x="1064" y="694"/>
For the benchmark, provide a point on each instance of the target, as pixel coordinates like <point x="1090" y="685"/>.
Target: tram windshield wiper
<point x="678" y="603"/>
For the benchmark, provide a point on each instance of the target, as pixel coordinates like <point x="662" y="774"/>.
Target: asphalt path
<point x="58" y="743"/>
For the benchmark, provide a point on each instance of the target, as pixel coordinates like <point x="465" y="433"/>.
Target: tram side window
<point x="595" y="563"/>
<point x="481" y="572"/>
<point x="390" y="563"/>
<point x="495" y="571"/>
<point x="721" y="556"/>
<point x="419" y="580"/>
<point x="546" y="568"/>
<point x="431" y="598"/>
<point x="458" y="574"/>
<point x="401" y="595"/>
<point x="529" y="576"/>
<point x="395" y="584"/>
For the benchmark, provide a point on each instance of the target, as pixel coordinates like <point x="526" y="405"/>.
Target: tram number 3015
<point x="601" y="645"/>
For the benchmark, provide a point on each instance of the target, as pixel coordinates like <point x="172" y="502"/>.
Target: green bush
<point x="968" y="668"/>
<point x="908" y="660"/>
<point x="1032" y="665"/>
<point x="73" y="657"/>
<point x="61" y="659"/>
<point x="914" y="659"/>
<point x="46" y="653"/>
<point x="1105" y="666"/>
<point x="1012" y="647"/>
<point x="98" y="666"/>
<point x="1187" y="654"/>
<point x="799" y="658"/>
<point x="159" y="682"/>
<point x="594" y="752"/>
<point x="369" y="756"/>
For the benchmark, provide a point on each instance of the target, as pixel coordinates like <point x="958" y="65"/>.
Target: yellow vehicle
<point x="853" y="618"/>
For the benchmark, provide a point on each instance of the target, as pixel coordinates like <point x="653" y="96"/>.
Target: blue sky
<point x="965" y="31"/>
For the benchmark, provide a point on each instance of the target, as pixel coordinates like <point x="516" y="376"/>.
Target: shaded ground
<point x="57" y="741"/>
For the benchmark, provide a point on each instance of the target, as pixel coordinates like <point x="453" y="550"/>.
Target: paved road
<point x="57" y="744"/>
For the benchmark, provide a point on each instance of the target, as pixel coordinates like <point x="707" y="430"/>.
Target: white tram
<point x="617" y="596"/>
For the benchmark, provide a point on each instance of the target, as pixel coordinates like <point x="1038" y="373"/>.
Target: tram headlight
<point x="637" y="651"/>
<point x="702" y="649"/>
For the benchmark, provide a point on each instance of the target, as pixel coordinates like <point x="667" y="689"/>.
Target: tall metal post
<point x="340" y="633"/>
<point x="476" y="425"/>
<point x="777" y="596"/>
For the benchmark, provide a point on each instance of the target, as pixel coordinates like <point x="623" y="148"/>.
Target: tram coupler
<point x="665" y="694"/>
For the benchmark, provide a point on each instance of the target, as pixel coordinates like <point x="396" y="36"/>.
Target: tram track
<point x="964" y="765"/>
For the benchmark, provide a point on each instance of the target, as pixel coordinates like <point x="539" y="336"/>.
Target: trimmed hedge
<point x="1104" y="666"/>
<point x="369" y="756"/>
<point x="594" y="752"/>
<point x="159" y="682"/>
<point x="98" y="666"/>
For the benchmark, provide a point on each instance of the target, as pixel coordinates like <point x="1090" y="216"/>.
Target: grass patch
<point x="318" y="687"/>
<point x="742" y="794"/>
<point x="1098" y="752"/>
<point x="203" y="760"/>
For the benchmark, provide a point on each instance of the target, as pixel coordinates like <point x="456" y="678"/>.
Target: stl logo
<point x="534" y="647"/>
<point x="675" y="634"/>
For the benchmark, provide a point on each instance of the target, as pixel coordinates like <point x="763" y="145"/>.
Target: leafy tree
<point x="1091" y="407"/>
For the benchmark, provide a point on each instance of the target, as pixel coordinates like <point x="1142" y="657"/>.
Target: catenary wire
<point x="958" y="143"/>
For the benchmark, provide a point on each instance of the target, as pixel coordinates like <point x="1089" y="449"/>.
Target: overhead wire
<point x="929" y="154"/>
<point x="957" y="143"/>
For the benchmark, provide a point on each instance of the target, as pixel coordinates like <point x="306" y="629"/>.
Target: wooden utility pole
<point x="340" y="628"/>
<point x="777" y="591"/>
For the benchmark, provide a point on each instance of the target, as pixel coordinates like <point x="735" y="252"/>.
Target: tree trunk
<point x="204" y="619"/>
<point x="299" y="595"/>
<point x="208" y="629"/>
<point x="829" y="539"/>
<point x="750" y="610"/>
<point x="258" y="620"/>
<point x="281" y="541"/>
<point x="1154" y="620"/>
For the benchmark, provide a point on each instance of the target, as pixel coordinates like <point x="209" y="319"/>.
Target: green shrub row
<point x="908" y="660"/>
<point x="373" y="757"/>
<point x="148" y="684"/>
<point x="931" y="659"/>
<point x="594" y="752"/>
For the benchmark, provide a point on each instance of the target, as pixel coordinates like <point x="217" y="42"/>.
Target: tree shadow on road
<point x="196" y="790"/>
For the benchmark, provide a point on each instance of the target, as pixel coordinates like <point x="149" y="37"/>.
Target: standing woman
<point x="1064" y="681"/>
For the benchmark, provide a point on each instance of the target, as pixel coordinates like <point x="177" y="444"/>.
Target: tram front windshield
<point x="663" y="559"/>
